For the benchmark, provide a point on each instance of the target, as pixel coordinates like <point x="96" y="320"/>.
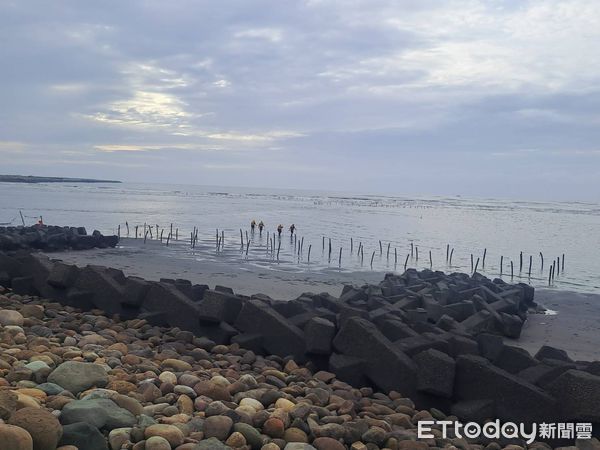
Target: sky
<point x="475" y="98"/>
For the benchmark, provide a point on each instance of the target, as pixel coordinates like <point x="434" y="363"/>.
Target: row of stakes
<point x="554" y="270"/>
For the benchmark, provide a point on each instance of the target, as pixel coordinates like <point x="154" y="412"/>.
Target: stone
<point x="8" y="404"/>
<point x="435" y="373"/>
<point x="83" y="436"/>
<point x="514" y="359"/>
<point x="157" y="443"/>
<point x="98" y="412"/>
<point x="319" y="335"/>
<point x="547" y="351"/>
<point x="251" y="434"/>
<point x="10" y="317"/>
<point x="218" y="427"/>
<point x="77" y="376"/>
<point x="169" y="432"/>
<point x="298" y="446"/>
<point x="273" y="427"/>
<point x="280" y="337"/>
<point x="44" y="428"/>
<point x="236" y="440"/>
<point x="578" y="396"/>
<point x="118" y="437"/>
<point x="387" y="366"/>
<point x="15" y="438"/>
<point x="515" y="400"/>
<point x="211" y="444"/>
<point x="217" y="306"/>
<point x="326" y="443"/>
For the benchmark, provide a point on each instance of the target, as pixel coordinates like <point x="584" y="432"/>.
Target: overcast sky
<point x="478" y="98"/>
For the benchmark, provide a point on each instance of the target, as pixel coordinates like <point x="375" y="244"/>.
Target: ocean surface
<point x="426" y="225"/>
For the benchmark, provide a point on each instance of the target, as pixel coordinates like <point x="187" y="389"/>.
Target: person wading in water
<point x="279" y="230"/>
<point x="252" y="225"/>
<point x="292" y="228"/>
<point x="261" y="225"/>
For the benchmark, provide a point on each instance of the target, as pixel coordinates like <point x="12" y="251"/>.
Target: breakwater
<point x="53" y="238"/>
<point x="435" y="338"/>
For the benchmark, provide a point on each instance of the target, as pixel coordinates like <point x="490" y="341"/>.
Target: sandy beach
<point x="573" y="328"/>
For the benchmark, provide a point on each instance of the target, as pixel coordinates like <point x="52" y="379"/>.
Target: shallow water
<point x="430" y="223"/>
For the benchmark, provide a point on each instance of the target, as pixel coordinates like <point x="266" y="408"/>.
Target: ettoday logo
<point x="507" y="430"/>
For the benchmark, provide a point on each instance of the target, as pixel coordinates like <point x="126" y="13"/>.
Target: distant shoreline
<point x="34" y="179"/>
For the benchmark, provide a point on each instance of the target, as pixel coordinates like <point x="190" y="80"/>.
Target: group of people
<point x="261" y="226"/>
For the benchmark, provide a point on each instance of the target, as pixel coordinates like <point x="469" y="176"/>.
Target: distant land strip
<point x="33" y="179"/>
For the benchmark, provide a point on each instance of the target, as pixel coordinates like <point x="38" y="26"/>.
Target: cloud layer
<point x="481" y="98"/>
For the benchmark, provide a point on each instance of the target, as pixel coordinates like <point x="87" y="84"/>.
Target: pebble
<point x="44" y="428"/>
<point x="171" y="433"/>
<point x="10" y="317"/>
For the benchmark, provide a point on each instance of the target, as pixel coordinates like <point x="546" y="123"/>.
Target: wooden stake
<point x="119" y="231"/>
<point x="447" y="252"/>
<point x="127" y="226"/>
<point x="372" y="256"/>
<point x="22" y="219"/>
<point x="521" y="262"/>
<point x="483" y="260"/>
<point x="176" y="234"/>
<point x="395" y="256"/>
<point x="501" y="264"/>
<point x="161" y="235"/>
<point x="476" y="265"/>
<point x="278" y="248"/>
<point x="168" y="239"/>
<point x="530" y="264"/>
<point x="430" y="260"/>
<point x="471" y="262"/>
<point x="309" y="248"/>
<point x="242" y="238"/>
<point x="411" y="249"/>
<point x="451" y="253"/>
<point x="380" y="249"/>
<point x="388" y="251"/>
<point x="558" y="266"/>
<point x="340" y="259"/>
<point x="136" y="231"/>
<point x="542" y="258"/>
<point x="563" y="262"/>
<point x="416" y="253"/>
<point x="351" y="246"/>
<point x="512" y="272"/>
<point x="406" y="261"/>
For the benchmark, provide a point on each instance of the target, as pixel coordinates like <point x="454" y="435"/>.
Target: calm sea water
<point x="504" y="228"/>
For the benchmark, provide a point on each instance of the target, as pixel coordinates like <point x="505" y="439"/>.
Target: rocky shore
<point x="52" y="238"/>
<point x="71" y="379"/>
<point x="430" y="337"/>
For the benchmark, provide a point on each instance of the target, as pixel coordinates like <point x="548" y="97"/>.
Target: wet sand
<point x="575" y="328"/>
<point x="152" y="262"/>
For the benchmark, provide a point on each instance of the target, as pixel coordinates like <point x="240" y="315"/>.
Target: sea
<point x="374" y="232"/>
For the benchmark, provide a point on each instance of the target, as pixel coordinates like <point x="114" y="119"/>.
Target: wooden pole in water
<point x="476" y="264"/>
<point x="395" y="256"/>
<point x="483" y="260"/>
<point x="351" y="246"/>
<point x="150" y="230"/>
<point x="451" y="253"/>
<point x="176" y="234"/>
<point x="512" y="271"/>
<point x="406" y="260"/>
<point x="521" y="262"/>
<point x="530" y="264"/>
<point x="563" y="262"/>
<point x="136" y="231"/>
<point x="171" y="230"/>
<point x="119" y="231"/>
<point x="22" y="219"/>
<point x="161" y="235"/>
<point x="558" y="266"/>
<point x="217" y="239"/>
<point x="247" y="247"/>
<point x="145" y="235"/>
<point x="340" y="259"/>
<point x="372" y="256"/>
<point x="323" y="243"/>
<point x="302" y="244"/>
<point x="430" y="260"/>
<point x="242" y="238"/>
<point x="380" y="249"/>
<point x="278" y="248"/>
<point x="417" y="252"/>
<point x="501" y="264"/>
<point x="168" y="239"/>
<point x="309" y="247"/>
<point x="127" y="226"/>
<point x="388" y="251"/>
<point x="542" y="258"/>
<point x="471" y="262"/>
<point x="329" y="249"/>
<point x="411" y="249"/>
<point x="447" y="252"/>
<point x="550" y="275"/>
<point x="247" y="238"/>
